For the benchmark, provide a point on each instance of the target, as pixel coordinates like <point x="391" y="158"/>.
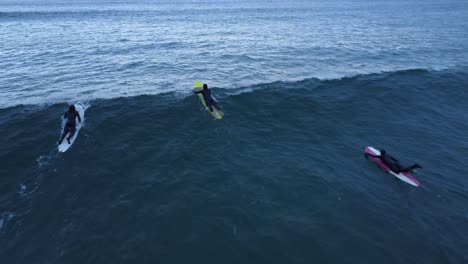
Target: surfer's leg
<point x="64" y="133"/>
<point x="395" y="167"/>
<point x="210" y="106"/>
<point x="410" y="168"/>
<point x="72" y="132"/>
<point x="213" y="103"/>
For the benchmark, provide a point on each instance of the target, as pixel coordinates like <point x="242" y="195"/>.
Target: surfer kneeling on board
<point x="209" y="101"/>
<point x="393" y="163"/>
<point x="70" y="126"/>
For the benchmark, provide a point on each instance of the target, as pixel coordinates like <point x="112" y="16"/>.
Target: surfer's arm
<point x="78" y="115"/>
<point x="65" y="116"/>
<point x="394" y="159"/>
<point x="374" y="156"/>
<point x="197" y="92"/>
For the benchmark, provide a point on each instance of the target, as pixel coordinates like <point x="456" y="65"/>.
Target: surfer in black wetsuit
<point x="393" y="163"/>
<point x="209" y="101"/>
<point x="70" y="126"/>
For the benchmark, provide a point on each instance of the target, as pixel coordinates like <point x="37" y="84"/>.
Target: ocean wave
<point x="185" y="91"/>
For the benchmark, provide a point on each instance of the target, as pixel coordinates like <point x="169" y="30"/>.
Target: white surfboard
<point x="65" y="146"/>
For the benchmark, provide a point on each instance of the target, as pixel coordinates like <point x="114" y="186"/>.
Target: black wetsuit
<point x="393" y="163"/>
<point x="70" y="126"/>
<point x="209" y="101"/>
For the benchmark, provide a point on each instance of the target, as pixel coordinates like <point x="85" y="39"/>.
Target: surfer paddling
<point x="209" y="101"/>
<point x="393" y="163"/>
<point x="70" y="126"/>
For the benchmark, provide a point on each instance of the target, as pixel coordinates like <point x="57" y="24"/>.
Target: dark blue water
<point x="305" y="86"/>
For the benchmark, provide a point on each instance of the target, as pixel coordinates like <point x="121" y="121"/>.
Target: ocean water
<point x="305" y="86"/>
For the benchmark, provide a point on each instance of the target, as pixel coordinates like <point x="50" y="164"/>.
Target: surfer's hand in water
<point x="417" y="166"/>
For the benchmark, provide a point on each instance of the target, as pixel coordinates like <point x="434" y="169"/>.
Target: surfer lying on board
<point x="393" y="163"/>
<point x="70" y="126"/>
<point x="209" y="101"/>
